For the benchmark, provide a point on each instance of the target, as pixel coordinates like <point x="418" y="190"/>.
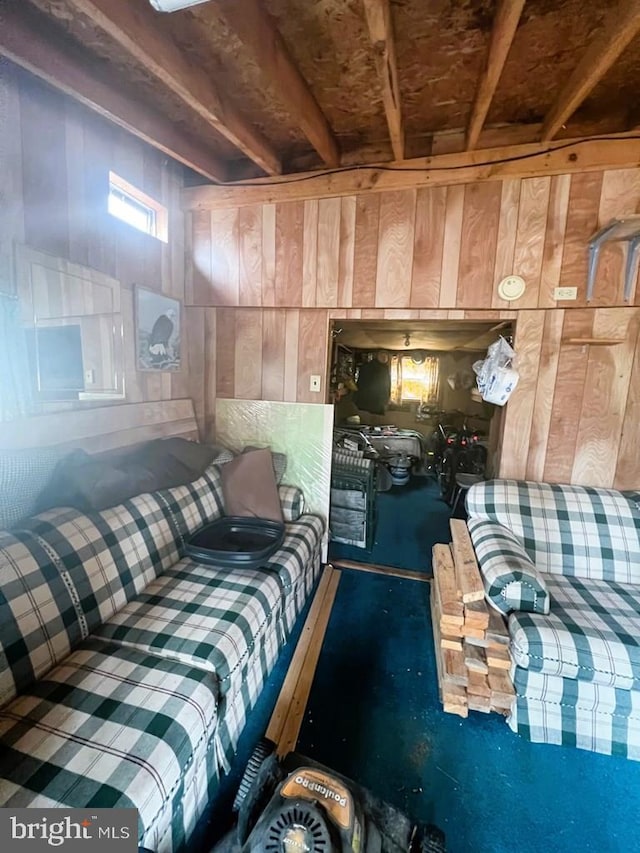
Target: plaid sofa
<point x="575" y="644"/>
<point x="127" y="671"/>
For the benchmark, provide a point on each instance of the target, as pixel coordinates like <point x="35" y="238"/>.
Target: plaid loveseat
<point x="127" y="671"/>
<point x="564" y="563"/>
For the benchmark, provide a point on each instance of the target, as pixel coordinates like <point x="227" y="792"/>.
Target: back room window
<point x="136" y="208"/>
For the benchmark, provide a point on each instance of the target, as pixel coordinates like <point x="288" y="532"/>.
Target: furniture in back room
<point x="352" y="514"/>
<point x="564" y="563"/>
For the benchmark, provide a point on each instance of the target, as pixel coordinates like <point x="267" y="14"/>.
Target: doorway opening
<point x="411" y="433"/>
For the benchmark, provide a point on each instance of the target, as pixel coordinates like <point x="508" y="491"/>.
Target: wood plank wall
<point x="56" y="157"/>
<point x="268" y="279"/>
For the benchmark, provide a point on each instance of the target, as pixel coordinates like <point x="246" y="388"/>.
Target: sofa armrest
<point x="292" y="501"/>
<point x="511" y="580"/>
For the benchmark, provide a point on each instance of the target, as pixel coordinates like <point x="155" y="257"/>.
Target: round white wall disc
<point x="511" y="287"/>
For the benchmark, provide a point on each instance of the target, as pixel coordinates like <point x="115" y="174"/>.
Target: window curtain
<point x="15" y="381"/>
<point x="396" y="379"/>
<point x="411" y="381"/>
<point x="431" y="379"/>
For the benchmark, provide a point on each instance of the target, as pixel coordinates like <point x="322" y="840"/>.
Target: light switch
<point x="314" y="383"/>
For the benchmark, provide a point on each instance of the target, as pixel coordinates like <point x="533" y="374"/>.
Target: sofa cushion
<point x="592" y="633"/>
<point x="571" y="530"/>
<point x="92" y="482"/>
<point x="571" y="712"/>
<point x="111" y="555"/>
<point x="23" y="476"/>
<point x="41" y="619"/>
<point x="511" y="580"/>
<point x="109" y="727"/>
<point x="249" y="486"/>
<point x="214" y="618"/>
<point x="63" y="573"/>
<point x="278" y="460"/>
<point x="195" y="504"/>
<point x="291" y="501"/>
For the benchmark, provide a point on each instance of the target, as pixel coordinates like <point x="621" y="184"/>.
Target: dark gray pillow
<point x="98" y="482"/>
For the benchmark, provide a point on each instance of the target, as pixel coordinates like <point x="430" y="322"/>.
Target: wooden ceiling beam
<point x="620" y="27"/>
<point x="41" y="52"/>
<point x="257" y="29"/>
<point x="492" y="164"/>
<point x="378" y="14"/>
<point x="504" y="29"/>
<point x="134" y="27"/>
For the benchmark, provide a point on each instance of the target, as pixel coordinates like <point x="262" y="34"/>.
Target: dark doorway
<point x="405" y="398"/>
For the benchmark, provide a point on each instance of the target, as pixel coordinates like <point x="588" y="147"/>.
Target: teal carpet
<point x="374" y="715"/>
<point x="409" y="521"/>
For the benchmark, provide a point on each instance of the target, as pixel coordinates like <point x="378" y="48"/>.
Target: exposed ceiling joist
<point x="492" y="164"/>
<point x="504" y="29"/>
<point x="378" y="14"/>
<point x="257" y="29"/>
<point x="23" y="41"/>
<point x="621" y="25"/>
<point x="135" y="29"/>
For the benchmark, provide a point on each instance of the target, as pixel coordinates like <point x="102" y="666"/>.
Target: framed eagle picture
<point x="158" y="338"/>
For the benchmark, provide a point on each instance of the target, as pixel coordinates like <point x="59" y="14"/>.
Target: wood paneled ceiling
<point x="243" y="89"/>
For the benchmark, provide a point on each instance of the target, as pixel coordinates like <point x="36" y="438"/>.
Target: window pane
<point x="132" y="211"/>
<point x="413" y="382"/>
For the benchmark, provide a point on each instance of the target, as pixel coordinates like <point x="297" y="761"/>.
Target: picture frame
<point x="158" y="320"/>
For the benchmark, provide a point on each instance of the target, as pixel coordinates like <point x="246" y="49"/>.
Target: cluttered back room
<point x="319" y="406"/>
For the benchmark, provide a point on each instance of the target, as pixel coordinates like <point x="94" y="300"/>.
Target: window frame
<point x="159" y="215"/>
<point x="403" y="402"/>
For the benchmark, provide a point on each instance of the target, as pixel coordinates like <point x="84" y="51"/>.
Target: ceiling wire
<point x="293" y="179"/>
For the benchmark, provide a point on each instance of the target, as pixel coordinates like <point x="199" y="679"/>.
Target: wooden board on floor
<point x="497" y="632"/>
<point x="476" y="614"/>
<point x="286" y="720"/>
<point x="475" y="660"/>
<point x="452" y="695"/>
<point x="445" y="582"/>
<point x="376" y="569"/>
<point x="468" y="576"/>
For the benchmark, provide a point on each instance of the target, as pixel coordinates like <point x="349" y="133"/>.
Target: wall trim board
<point x="104" y="428"/>
<point x="491" y="164"/>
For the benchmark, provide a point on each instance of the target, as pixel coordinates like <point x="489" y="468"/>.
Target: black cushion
<point x="97" y="482"/>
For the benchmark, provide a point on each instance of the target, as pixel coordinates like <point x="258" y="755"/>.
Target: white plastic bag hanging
<point x="496" y="374"/>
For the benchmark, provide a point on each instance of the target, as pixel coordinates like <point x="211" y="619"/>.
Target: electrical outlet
<point x="563" y="293"/>
<point x="314" y="383"/>
<point x="89" y="376"/>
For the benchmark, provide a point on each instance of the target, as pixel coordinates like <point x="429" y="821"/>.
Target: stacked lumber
<point x="471" y="639"/>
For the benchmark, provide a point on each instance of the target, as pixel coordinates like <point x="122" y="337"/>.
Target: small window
<point x="415" y="379"/>
<point x="136" y="208"/>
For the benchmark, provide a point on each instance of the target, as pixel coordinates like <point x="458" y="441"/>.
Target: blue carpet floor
<point x="374" y="715"/>
<point x="409" y="521"/>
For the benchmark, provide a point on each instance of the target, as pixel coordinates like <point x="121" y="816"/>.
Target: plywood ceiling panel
<point x="330" y="44"/>
<point x="546" y="48"/>
<point x="441" y="49"/>
<point x="107" y="54"/>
